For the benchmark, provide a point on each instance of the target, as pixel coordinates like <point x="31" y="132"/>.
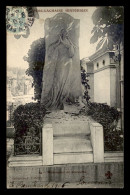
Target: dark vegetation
<point x="108" y="117"/>
<point x="30" y="115"/>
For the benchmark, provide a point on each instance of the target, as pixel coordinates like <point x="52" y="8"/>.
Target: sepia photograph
<point x="65" y="97"/>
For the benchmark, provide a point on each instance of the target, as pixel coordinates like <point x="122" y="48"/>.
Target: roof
<point x="85" y="59"/>
<point x="102" y="50"/>
<point x="99" y="53"/>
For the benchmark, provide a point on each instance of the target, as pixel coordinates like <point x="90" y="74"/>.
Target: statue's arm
<point x="52" y="48"/>
<point x="72" y="43"/>
<point x="56" y="44"/>
<point x="68" y="45"/>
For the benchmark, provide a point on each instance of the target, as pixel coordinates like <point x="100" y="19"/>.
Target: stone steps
<point x="73" y="128"/>
<point x="71" y="144"/>
<point x="77" y="157"/>
<point x="77" y="149"/>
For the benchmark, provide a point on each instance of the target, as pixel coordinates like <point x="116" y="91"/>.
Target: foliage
<point x="114" y="140"/>
<point x="36" y="58"/>
<point x="28" y="116"/>
<point x="108" y="117"/>
<point x="109" y="27"/>
<point x="85" y="81"/>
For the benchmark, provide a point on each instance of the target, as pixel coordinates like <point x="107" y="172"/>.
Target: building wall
<point x="100" y="61"/>
<point x="103" y="79"/>
<point x="84" y="66"/>
<point x="113" y="87"/>
<point x="102" y="86"/>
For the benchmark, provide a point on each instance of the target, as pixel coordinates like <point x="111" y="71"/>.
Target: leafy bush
<point x="28" y="116"/>
<point x="108" y="117"/>
<point x="36" y="58"/>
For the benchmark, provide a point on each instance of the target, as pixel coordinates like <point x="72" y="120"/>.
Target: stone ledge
<point x="76" y="158"/>
<point x="95" y="124"/>
<point x="113" y="154"/>
<point x="92" y="173"/>
<point x="111" y="157"/>
<point x="15" y="161"/>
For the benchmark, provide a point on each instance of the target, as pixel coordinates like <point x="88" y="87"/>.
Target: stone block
<point x="47" y="144"/>
<point x="79" y="157"/>
<point x="71" y="128"/>
<point x="97" y="140"/>
<point x="71" y="109"/>
<point x="72" y="144"/>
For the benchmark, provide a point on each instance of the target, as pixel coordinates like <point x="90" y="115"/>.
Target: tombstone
<point x="61" y="73"/>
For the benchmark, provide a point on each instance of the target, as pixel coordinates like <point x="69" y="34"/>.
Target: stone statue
<point x="61" y="73"/>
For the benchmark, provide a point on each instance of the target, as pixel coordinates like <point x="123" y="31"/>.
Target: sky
<point x="18" y="48"/>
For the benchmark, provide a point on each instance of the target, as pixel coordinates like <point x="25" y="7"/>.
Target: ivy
<point x="84" y="80"/>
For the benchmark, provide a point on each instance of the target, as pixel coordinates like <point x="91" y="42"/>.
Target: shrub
<point x="28" y="116"/>
<point x="108" y="117"/>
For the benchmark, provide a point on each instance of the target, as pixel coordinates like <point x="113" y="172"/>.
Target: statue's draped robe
<point x="61" y="73"/>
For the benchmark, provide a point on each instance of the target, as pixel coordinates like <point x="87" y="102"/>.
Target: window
<point x="97" y="65"/>
<point x="103" y="62"/>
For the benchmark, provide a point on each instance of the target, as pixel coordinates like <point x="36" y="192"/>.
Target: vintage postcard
<point x="65" y="97"/>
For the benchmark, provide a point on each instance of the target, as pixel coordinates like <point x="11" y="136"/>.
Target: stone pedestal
<point x="72" y="109"/>
<point x="75" y="138"/>
<point x="68" y="139"/>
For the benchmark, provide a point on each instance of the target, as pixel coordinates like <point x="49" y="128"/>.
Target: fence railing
<point x="28" y="144"/>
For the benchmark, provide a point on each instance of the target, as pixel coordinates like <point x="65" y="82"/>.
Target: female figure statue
<point x="61" y="77"/>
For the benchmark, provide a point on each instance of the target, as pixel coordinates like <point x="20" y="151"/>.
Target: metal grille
<point x="28" y="144"/>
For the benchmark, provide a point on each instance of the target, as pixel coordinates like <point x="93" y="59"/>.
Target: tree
<point x="108" y="27"/>
<point x="35" y="59"/>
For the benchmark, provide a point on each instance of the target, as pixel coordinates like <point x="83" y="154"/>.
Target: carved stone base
<point x="71" y="109"/>
<point x="85" y="175"/>
<point x="67" y="138"/>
